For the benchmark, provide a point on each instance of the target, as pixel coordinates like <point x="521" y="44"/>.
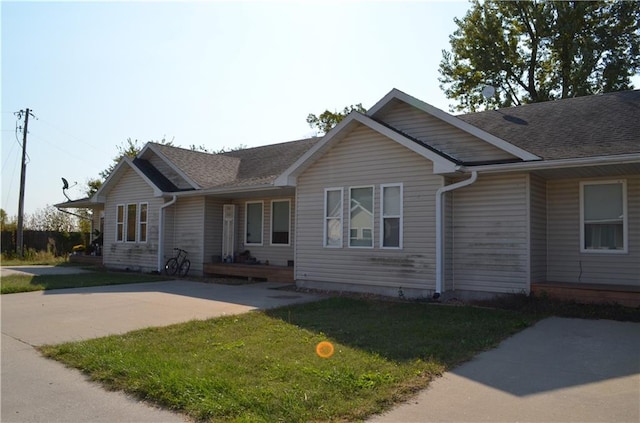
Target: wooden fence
<point x="58" y="243"/>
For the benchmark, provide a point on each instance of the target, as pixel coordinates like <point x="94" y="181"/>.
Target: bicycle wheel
<point x="171" y="267"/>
<point x="184" y="268"/>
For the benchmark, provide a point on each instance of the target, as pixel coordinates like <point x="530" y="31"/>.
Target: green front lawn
<point x="24" y="283"/>
<point x="263" y="366"/>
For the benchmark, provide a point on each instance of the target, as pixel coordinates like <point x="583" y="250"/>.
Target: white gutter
<point x="556" y="164"/>
<point x="161" y="231"/>
<point x="440" y="228"/>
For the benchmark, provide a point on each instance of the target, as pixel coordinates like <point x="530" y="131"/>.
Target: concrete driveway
<point x="559" y="370"/>
<point x="35" y="389"/>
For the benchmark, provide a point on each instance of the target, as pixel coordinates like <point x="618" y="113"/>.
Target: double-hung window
<point x="333" y="217"/>
<point x="391" y="216"/>
<point x="120" y="223"/>
<point x="603" y="216"/>
<point x="142" y="222"/>
<point x="280" y="222"/>
<point x="361" y="217"/>
<point x="253" y="222"/>
<point x="132" y="213"/>
<point x="131" y="222"/>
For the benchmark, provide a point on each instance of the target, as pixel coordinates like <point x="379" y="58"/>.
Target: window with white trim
<point x="333" y="217"/>
<point x="280" y="222"/>
<point x="142" y="222"/>
<point x="361" y="217"/>
<point x="120" y="223"/>
<point x="253" y="222"/>
<point x="132" y="222"/>
<point x="132" y="214"/>
<point x="603" y="216"/>
<point x="391" y="216"/>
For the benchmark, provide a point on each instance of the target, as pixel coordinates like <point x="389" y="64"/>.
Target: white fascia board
<point x="224" y="190"/>
<point x="99" y="196"/>
<point x="288" y="177"/>
<point x="556" y="164"/>
<point x="454" y="121"/>
<point x="152" y="147"/>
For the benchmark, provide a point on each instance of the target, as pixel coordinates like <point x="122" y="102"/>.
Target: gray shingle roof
<point x="154" y="175"/>
<point x="251" y="166"/>
<point x="599" y="125"/>
<point x="204" y="169"/>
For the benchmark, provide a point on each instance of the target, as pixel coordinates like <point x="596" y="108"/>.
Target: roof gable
<point x="395" y="96"/>
<point x="115" y="176"/>
<point x="441" y="163"/>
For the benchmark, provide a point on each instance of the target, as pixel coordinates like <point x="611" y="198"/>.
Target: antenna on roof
<point x="65" y="187"/>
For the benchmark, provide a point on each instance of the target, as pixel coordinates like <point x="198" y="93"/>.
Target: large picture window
<point x="361" y="217"/>
<point x="253" y="228"/>
<point x="603" y="216"/>
<point x="280" y="222"/>
<point x="333" y="217"/>
<point x="391" y="212"/>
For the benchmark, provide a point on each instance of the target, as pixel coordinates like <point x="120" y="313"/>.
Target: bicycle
<point x="178" y="264"/>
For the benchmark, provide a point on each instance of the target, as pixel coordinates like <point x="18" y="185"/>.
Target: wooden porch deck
<point x="89" y="260"/>
<point x="625" y="295"/>
<point x="251" y="271"/>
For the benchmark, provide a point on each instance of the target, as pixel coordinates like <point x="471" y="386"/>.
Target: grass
<point x="262" y="366"/>
<point x="25" y="283"/>
<point x="34" y="258"/>
<point x="542" y="306"/>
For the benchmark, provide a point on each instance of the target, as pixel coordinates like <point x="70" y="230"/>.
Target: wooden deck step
<point x="626" y="295"/>
<point x="252" y="271"/>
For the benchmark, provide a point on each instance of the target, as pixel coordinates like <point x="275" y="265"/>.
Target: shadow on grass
<point x="402" y="331"/>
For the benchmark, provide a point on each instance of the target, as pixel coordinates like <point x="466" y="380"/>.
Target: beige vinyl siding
<point x="366" y="158"/>
<point x="538" y="201"/>
<point x="490" y="235"/>
<point x="213" y="228"/>
<point x="184" y="228"/>
<point x="278" y="255"/>
<point x="136" y="256"/>
<point x="565" y="261"/>
<point x="439" y="134"/>
<point x="169" y="172"/>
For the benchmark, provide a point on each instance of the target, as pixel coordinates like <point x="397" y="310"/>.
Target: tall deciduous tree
<point x="533" y="51"/>
<point x="327" y="119"/>
<point x="51" y="219"/>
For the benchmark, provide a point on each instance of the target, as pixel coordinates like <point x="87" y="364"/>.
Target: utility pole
<point x="23" y="176"/>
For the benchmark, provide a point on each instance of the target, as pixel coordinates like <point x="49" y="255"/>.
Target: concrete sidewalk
<point x="560" y="370"/>
<point x="35" y="389"/>
<point x="41" y="270"/>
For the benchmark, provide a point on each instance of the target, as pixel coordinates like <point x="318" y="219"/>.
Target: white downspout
<point x="440" y="228"/>
<point x="161" y="232"/>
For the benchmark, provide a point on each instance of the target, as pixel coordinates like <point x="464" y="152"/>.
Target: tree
<point x="7" y="223"/>
<point x="130" y="149"/>
<point x="51" y="219"/>
<point x="93" y="185"/>
<point x="533" y="51"/>
<point x="327" y="120"/>
<point x="203" y="148"/>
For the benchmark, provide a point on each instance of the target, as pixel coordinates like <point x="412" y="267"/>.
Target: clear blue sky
<point x="218" y="74"/>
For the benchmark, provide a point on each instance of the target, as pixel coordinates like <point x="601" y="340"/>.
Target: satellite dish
<point x="65" y="184"/>
<point x="488" y="91"/>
